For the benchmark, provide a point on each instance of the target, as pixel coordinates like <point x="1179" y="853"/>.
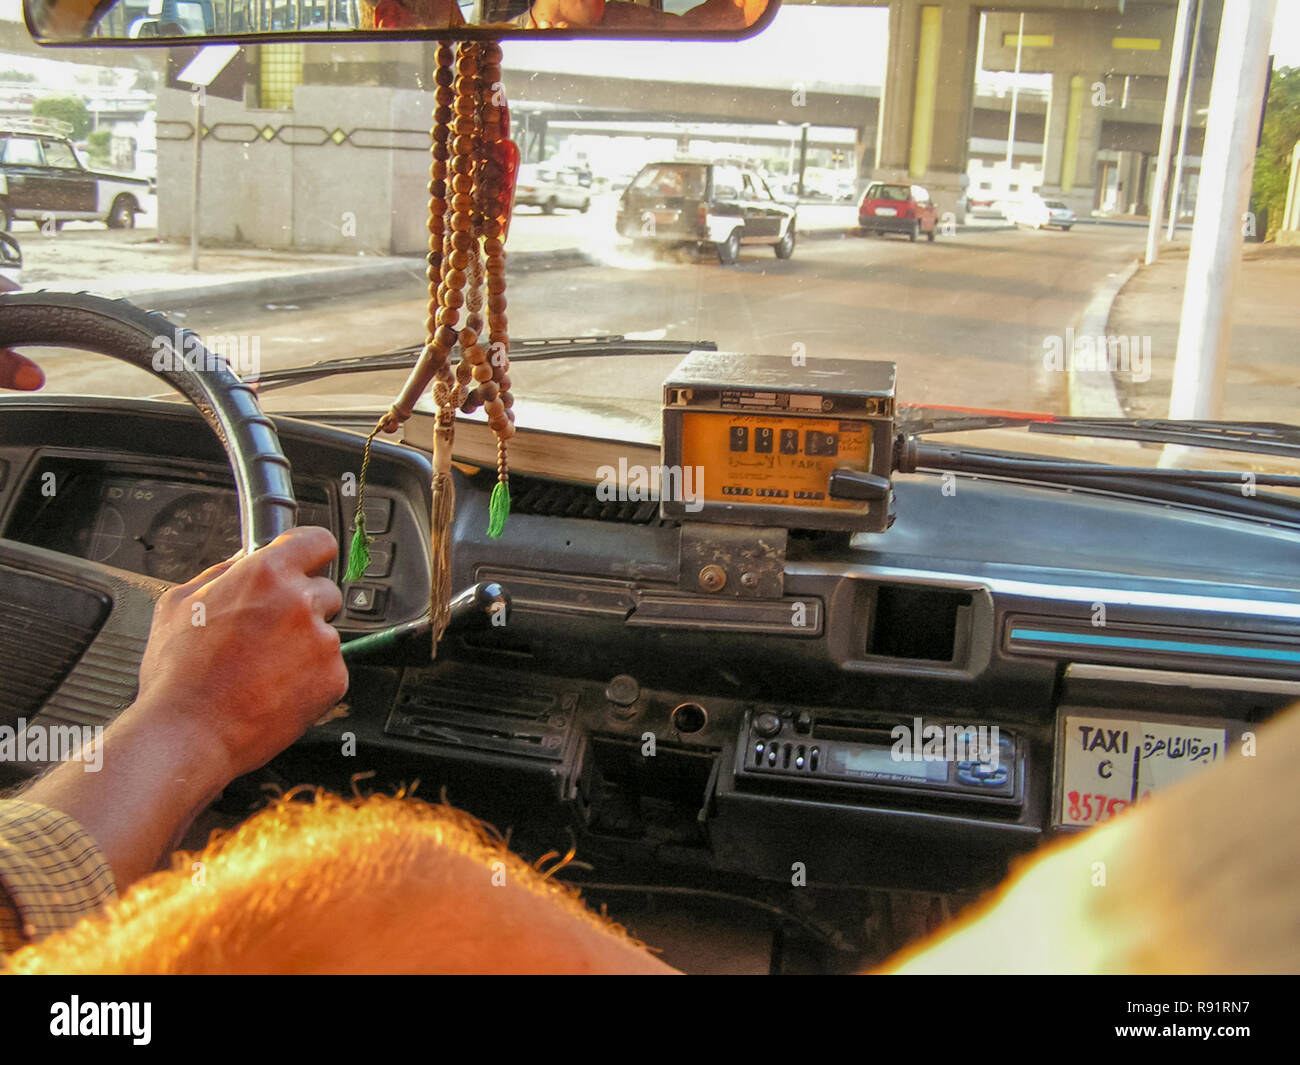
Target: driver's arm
<point x="240" y="661"/>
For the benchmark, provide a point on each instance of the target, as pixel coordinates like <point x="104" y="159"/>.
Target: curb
<point x="1093" y="394"/>
<point x="340" y="281"/>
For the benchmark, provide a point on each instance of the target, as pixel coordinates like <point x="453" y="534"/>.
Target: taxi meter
<point x="770" y="442"/>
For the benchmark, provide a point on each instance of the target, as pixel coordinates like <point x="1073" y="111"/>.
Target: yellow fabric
<point x="52" y="873"/>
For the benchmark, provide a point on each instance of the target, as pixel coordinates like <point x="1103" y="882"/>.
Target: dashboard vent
<point x="561" y="499"/>
<point x="45" y="627"/>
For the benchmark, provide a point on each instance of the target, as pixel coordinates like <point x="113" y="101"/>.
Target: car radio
<point x="772" y="440"/>
<point x="916" y="759"/>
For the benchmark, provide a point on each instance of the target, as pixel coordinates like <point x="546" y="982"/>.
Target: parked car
<point x="721" y="205"/>
<point x="1039" y="213"/>
<point x="11" y="264"/>
<point x="889" y="208"/>
<point x="43" y="179"/>
<point x="551" y="188"/>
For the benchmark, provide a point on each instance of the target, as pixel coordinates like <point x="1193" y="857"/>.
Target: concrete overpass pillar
<point x="1073" y="137"/>
<point x="924" y="127"/>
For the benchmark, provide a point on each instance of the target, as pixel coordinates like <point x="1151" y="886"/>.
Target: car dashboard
<point x="682" y="736"/>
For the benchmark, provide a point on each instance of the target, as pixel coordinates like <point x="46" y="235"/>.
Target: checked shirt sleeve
<point x="52" y="873"/>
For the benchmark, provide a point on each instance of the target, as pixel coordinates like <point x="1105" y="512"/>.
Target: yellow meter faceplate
<point x="786" y="460"/>
<point x="765" y="441"/>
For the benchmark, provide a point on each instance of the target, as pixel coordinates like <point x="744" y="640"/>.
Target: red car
<point x="887" y="208"/>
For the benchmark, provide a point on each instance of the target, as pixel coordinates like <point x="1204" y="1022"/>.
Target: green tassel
<point x="359" y="550"/>
<point x="498" y="509"/>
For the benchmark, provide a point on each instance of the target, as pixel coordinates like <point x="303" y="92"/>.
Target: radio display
<point x="878" y="760"/>
<point x="773" y="459"/>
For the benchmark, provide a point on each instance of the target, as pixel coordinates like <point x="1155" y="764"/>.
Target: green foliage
<point x="70" y="109"/>
<point x="20" y="76"/>
<point x="98" y="148"/>
<point x="1273" y="159"/>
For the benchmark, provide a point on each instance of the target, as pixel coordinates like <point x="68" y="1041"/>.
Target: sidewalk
<point x="1263" y="377"/>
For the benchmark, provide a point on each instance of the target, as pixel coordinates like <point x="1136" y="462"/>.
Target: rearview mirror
<point x="142" y="23"/>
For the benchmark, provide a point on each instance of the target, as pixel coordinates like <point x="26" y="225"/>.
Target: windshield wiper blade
<point x="914" y="455"/>
<point x="528" y="349"/>
<point x="1218" y="490"/>
<point x="1272" y="438"/>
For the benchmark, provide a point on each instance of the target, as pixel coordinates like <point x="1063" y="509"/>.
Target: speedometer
<point x="189" y="534"/>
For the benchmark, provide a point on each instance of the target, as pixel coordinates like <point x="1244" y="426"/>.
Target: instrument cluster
<point x="158" y="526"/>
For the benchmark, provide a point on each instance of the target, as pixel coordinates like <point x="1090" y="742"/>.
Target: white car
<point x="551" y="188"/>
<point x="1040" y="213"/>
<point x="43" y="180"/>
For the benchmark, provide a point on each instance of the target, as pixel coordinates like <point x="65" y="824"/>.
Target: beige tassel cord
<point x="471" y="193"/>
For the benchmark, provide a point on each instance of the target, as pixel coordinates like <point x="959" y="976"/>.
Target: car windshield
<point x="889" y="192"/>
<point x="671" y="179"/>
<point x="311" y="190"/>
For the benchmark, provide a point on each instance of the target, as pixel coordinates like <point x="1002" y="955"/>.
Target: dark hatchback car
<point x="722" y="205"/>
<point x="42" y="179"/>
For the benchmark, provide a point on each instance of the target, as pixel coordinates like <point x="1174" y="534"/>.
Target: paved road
<point x="965" y="318"/>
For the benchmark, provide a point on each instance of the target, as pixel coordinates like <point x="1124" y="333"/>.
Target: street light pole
<point x="199" y="92"/>
<point x="1177" y="51"/>
<point x="1015" y="96"/>
<point x="1175" y="195"/>
<point x="803" y="156"/>
<point x="1227" y="167"/>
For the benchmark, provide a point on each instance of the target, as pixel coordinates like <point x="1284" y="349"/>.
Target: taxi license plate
<point x="888" y="212"/>
<point x="664" y="218"/>
<point x="1109" y="763"/>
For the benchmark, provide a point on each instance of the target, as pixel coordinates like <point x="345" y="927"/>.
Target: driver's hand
<point x="242" y="655"/>
<point x="17" y="371"/>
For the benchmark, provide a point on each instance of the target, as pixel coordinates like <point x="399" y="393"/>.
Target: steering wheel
<point x="89" y="613"/>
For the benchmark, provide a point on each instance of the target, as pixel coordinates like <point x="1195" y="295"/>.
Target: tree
<point x="1273" y="158"/>
<point x="99" y="146"/>
<point x="70" y="109"/>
